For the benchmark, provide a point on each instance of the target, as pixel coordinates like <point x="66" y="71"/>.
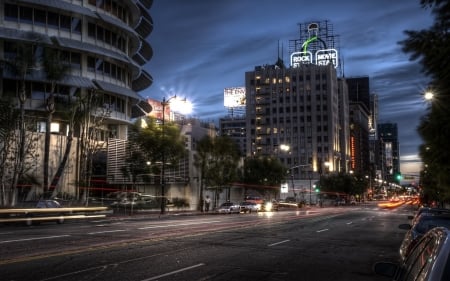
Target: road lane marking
<point x="322" y="230"/>
<point x="278" y="243"/>
<point x="174" y="272"/>
<point x="350" y="222"/>
<point x="179" y="224"/>
<point x="106" y="231"/>
<point x="31" y="239"/>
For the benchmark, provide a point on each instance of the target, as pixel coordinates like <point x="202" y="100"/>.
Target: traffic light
<point x="317" y="189"/>
<point x="398" y="176"/>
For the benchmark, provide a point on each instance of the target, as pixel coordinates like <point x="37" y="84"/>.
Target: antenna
<point x="278" y="48"/>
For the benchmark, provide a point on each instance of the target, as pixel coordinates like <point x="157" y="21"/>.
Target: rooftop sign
<point x="321" y="57"/>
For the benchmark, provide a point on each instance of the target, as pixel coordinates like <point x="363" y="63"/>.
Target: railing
<point x="59" y="215"/>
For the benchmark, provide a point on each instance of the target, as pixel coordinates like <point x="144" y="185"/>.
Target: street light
<point x="292" y="178"/>
<point x="428" y="95"/>
<point x="164" y="103"/>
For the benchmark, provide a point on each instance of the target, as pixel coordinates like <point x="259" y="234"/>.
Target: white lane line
<point x="278" y="243"/>
<point x="350" y="222"/>
<point x="106" y="231"/>
<point x="31" y="239"/>
<point x="322" y="230"/>
<point x="174" y="272"/>
<point x="178" y="224"/>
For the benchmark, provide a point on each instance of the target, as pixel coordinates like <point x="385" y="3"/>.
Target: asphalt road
<point x="321" y="244"/>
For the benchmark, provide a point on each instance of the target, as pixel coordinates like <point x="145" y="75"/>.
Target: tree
<point x="55" y="69"/>
<point x="431" y="47"/>
<point x="218" y="160"/>
<point x="21" y="65"/>
<point x="201" y="158"/>
<point x="264" y="172"/>
<point x="158" y="144"/>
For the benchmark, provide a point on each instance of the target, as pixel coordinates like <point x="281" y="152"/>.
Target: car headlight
<point x="268" y="206"/>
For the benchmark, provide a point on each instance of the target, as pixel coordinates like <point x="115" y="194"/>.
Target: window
<point x="75" y="59"/>
<point x="40" y="17"/>
<point x="91" y="64"/>
<point x="26" y="14"/>
<point x="11" y="12"/>
<point x="76" y="25"/>
<point x="91" y="30"/>
<point x="65" y="22"/>
<point x="52" y="19"/>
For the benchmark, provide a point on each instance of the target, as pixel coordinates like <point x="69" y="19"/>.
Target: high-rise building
<point x="103" y="45"/>
<point x="234" y="127"/>
<point x="296" y="108"/>
<point x="359" y="114"/>
<point x="299" y="113"/>
<point x="388" y="135"/>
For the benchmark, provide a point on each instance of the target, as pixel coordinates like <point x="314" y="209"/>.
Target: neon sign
<point x="322" y="57"/>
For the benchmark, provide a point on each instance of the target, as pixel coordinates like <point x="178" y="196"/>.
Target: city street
<point x="340" y="243"/>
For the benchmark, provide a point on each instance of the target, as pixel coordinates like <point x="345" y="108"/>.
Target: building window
<point x="26" y="15"/>
<point x="11" y="12"/>
<point x="40" y="17"/>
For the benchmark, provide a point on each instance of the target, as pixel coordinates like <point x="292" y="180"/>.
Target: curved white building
<point x="103" y="42"/>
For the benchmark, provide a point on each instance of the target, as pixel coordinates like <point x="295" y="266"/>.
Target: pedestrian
<point x="207" y="203"/>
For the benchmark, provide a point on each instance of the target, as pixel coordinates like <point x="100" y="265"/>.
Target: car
<point x="429" y="259"/>
<point x="269" y="206"/>
<point x="428" y="210"/>
<point x="422" y="224"/>
<point x="229" y="208"/>
<point x="340" y="201"/>
<point x="31" y="210"/>
<point x="249" y="207"/>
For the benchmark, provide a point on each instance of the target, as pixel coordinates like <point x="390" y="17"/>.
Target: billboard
<point x="314" y="43"/>
<point x="234" y="97"/>
<point x="158" y="108"/>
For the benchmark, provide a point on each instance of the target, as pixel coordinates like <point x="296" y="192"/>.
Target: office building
<point x="388" y="134"/>
<point x="359" y="114"/>
<point x="297" y="108"/>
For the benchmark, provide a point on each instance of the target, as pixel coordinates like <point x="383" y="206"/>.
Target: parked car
<point x="249" y="207"/>
<point x="422" y="224"/>
<point x="340" y="201"/>
<point x="427" y="261"/>
<point x="428" y="210"/>
<point x="229" y="208"/>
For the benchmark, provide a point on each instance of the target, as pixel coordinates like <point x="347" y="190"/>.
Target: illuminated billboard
<point x="323" y="56"/>
<point x="234" y="97"/>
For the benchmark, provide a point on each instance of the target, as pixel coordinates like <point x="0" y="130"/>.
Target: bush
<point x="180" y="202"/>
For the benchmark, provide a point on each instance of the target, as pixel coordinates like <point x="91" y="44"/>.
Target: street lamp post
<point x="310" y="186"/>
<point x="164" y="103"/>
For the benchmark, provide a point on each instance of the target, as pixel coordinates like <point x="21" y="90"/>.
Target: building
<point x="103" y="45"/>
<point x="295" y="107"/>
<point x="234" y="127"/>
<point x="359" y="114"/>
<point x="388" y="134"/>
<point x="298" y="113"/>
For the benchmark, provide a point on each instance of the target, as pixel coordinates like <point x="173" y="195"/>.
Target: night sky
<point x="203" y="46"/>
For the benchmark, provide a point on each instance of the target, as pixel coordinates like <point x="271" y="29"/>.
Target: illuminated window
<point x="54" y="127"/>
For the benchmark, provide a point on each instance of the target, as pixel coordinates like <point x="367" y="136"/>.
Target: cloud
<point x="201" y="47"/>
